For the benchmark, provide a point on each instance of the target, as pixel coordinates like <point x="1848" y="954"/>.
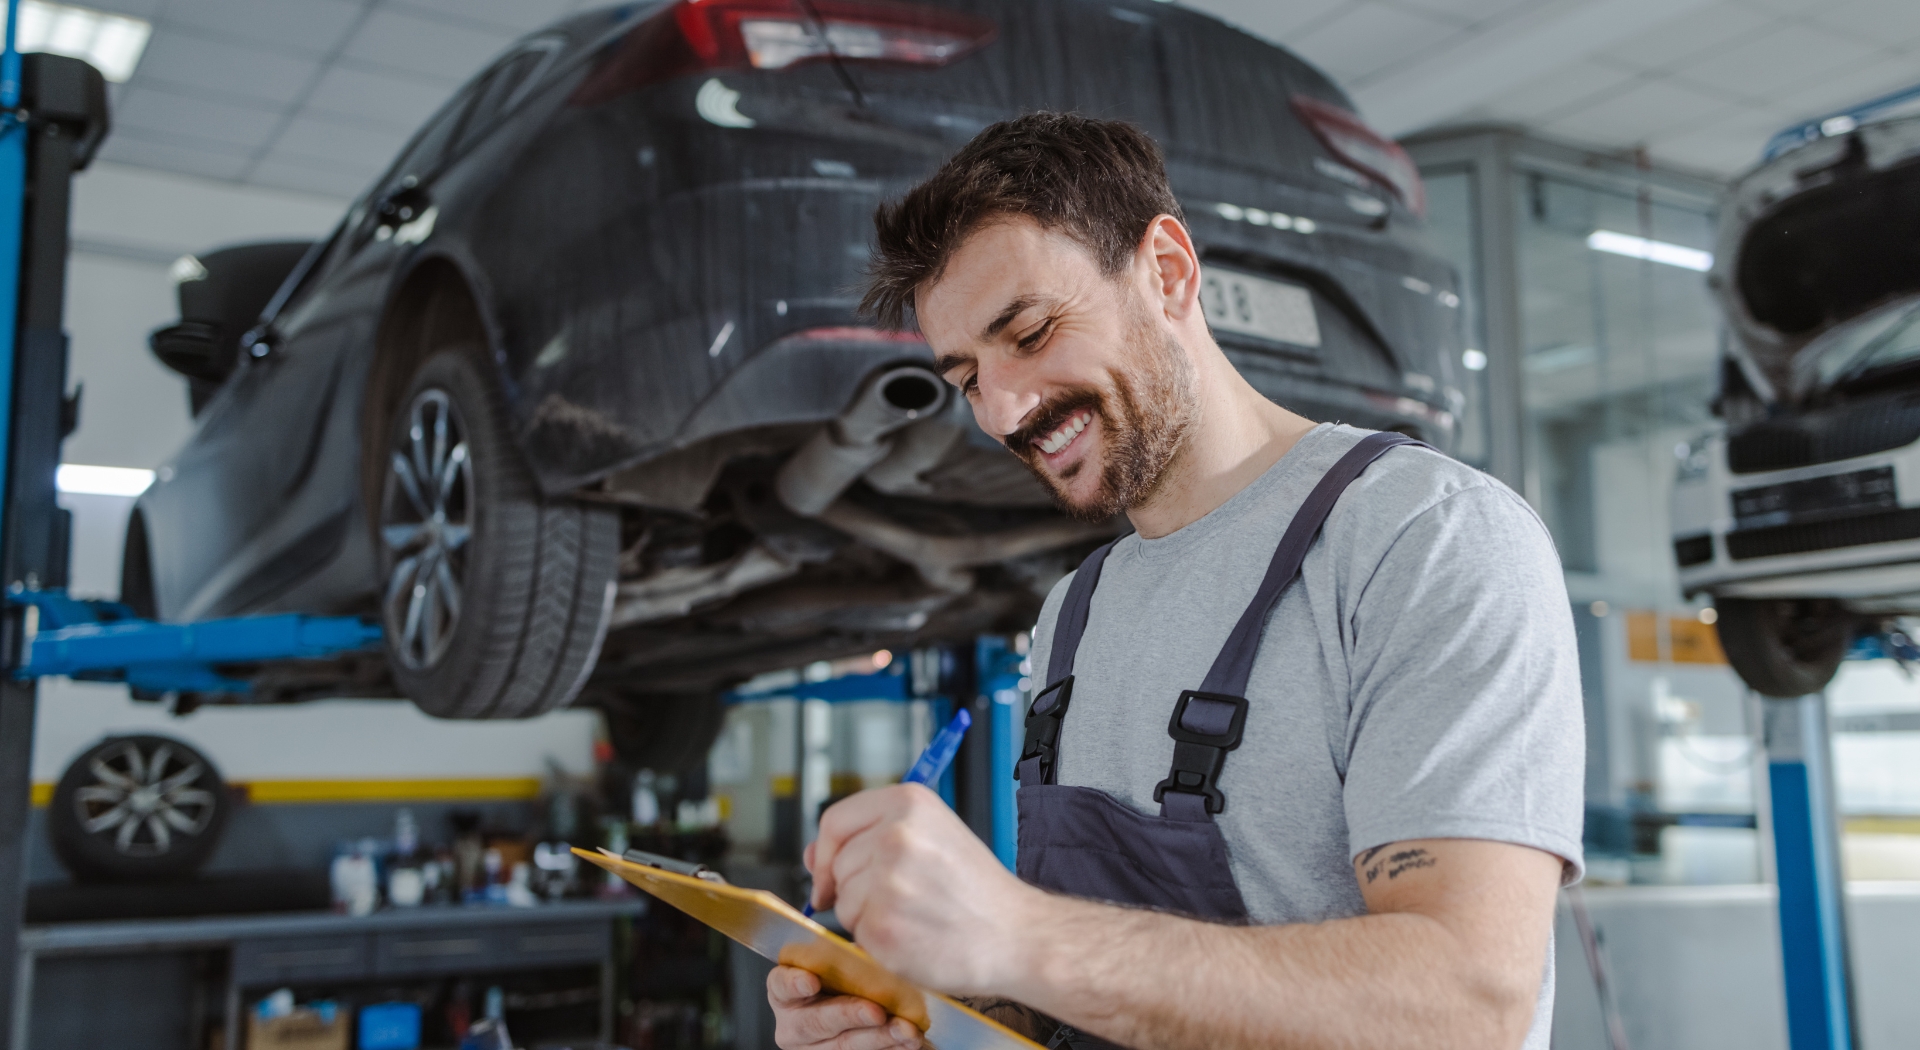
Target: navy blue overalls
<point x="1083" y="841"/>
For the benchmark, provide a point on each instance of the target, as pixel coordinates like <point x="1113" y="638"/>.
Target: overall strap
<point x="1208" y="722"/>
<point x="1071" y="624"/>
<point x="1234" y="665"/>
<point x="1042" y="743"/>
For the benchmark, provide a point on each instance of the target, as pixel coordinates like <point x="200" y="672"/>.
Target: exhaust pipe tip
<point x="911" y="390"/>
<point x="840" y="452"/>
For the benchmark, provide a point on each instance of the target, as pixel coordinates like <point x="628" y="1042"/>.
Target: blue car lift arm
<point x="52" y="116"/>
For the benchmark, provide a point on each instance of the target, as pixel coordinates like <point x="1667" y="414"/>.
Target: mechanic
<point x="1352" y="834"/>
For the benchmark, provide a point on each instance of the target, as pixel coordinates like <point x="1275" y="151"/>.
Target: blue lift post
<point x="52" y="118"/>
<point x="1806" y="847"/>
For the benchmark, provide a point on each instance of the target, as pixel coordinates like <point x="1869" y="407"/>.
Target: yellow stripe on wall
<point x="303" y="791"/>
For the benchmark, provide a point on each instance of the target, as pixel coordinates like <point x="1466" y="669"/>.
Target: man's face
<point x="1072" y="370"/>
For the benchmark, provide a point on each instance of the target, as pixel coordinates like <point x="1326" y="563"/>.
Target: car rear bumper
<point x="760" y="338"/>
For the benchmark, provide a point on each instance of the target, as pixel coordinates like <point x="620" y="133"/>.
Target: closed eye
<point x="1031" y="342"/>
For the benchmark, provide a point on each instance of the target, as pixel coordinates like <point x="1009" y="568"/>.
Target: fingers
<point x="897" y="1033"/>
<point x="832" y="1022"/>
<point x="790" y="985"/>
<point x="842" y="821"/>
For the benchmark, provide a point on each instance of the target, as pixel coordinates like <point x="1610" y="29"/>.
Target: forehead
<point x="998" y="264"/>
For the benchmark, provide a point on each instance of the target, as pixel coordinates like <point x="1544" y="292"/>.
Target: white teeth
<point x="1059" y="439"/>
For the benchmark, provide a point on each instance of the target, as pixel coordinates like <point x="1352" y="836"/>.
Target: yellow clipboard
<point x="775" y="930"/>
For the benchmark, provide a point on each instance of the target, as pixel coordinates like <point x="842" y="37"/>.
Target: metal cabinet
<point x="272" y="951"/>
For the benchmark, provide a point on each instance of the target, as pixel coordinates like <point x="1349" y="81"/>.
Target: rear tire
<point x="495" y="598"/>
<point x="1784" y="647"/>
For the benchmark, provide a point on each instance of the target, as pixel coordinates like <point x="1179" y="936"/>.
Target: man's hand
<point x="804" y="1019"/>
<point x="920" y="891"/>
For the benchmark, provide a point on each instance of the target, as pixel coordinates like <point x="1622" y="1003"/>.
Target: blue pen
<point x="932" y="762"/>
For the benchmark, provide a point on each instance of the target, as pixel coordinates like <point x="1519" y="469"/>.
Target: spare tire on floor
<point x="137" y="808"/>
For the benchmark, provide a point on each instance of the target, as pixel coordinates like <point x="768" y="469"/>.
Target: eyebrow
<point x="945" y="363"/>
<point x="948" y="362"/>
<point x="1012" y="310"/>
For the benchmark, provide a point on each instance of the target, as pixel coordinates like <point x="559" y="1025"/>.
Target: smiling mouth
<point x="1056" y="442"/>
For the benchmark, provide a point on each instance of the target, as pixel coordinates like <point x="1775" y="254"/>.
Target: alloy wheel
<point x="140" y="800"/>
<point x="426" y="519"/>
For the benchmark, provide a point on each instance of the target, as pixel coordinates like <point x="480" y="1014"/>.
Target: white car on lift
<point x="1802" y="517"/>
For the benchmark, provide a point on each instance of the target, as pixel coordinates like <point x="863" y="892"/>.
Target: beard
<point x="1145" y="409"/>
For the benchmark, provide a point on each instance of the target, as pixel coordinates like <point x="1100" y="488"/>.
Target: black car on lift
<point x="576" y="398"/>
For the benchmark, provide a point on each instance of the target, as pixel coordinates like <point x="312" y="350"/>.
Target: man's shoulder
<point x="1411" y="479"/>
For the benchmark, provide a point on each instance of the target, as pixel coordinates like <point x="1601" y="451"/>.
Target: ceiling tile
<point x="1714" y="152"/>
<point x="350" y="146"/>
<point x="520" y="16"/>
<point x="377" y="98"/>
<point x="1776" y="62"/>
<point x="306" y="27"/>
<point x="1789" y="8"/>
<point x="1710" y="29"/>
<point x="1576" y="83"/>
<point x="1280" y="23"/>
<point x="162" y="112"/>
<point x="1371" y="37"/>
<point x="125" y="146"/>
<point x="1637" y="114"/>
<point x="1872" y="21"/>
<point x="308" y="177"/>
<point x="409" y="42"/>
<point x="1470" y="11"/>
<point x="1841" y="91"/>
<point x="181" y="58"/>
<point x="137" y="8"/>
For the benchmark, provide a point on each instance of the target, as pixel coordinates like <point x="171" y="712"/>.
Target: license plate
<point x="1832" y="496"/>
<point x="1275" y="311"/>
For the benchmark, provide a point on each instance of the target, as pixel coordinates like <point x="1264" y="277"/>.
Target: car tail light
<point x="1365" y="149"/>
<point x="776" y="34"/>
<point x="695" y="35"/>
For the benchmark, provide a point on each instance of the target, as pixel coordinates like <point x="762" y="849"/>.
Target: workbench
<point x="270" y="951"/>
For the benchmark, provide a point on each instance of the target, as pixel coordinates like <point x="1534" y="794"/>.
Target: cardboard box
<point x="302" y="1029"/>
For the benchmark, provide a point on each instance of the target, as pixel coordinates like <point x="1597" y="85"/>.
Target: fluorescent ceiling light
<point x="1653" y="251"/>
<point x="111" y="43"/>
<point x="82" y="480"/>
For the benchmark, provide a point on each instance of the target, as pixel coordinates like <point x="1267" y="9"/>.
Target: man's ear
<point x="1170" y="267"/>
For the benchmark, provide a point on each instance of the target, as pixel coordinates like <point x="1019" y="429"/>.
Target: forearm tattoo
<point x="1377" y="862"/>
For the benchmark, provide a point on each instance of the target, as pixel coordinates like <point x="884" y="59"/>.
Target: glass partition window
<point x="1619" y="346"/>
<point x="1453" y="227"/>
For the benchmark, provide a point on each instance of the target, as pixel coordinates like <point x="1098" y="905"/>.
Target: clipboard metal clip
<point x="678" y="867"/>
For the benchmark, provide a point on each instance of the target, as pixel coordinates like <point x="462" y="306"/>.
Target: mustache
<point x="1047" y="417"/>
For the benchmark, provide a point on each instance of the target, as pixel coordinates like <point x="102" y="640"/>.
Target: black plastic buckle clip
<point x="1198" y="755"/>
<point x="1043" y="728"/>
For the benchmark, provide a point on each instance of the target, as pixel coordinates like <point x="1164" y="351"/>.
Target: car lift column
<point x="54" y="111"/>
<point x="1806" y="846"/>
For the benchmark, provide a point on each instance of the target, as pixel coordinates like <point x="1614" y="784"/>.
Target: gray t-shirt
<point x="1419" y="679"/>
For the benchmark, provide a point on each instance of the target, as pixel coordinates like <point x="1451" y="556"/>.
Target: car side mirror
<point x="194" y="349"/>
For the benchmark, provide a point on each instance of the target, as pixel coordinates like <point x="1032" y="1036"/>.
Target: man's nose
<point x="1000" y="410"/>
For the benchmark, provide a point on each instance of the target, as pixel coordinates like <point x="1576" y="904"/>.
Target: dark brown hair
<point x="1099" y="181"/>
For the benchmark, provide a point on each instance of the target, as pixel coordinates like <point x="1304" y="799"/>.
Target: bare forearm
<point x="1156" y="982"/>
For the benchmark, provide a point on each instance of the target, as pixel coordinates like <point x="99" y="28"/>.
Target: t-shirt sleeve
<point x="1466" y="717"/>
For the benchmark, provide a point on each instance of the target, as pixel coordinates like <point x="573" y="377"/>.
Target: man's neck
<point x="1236" y="437"/>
